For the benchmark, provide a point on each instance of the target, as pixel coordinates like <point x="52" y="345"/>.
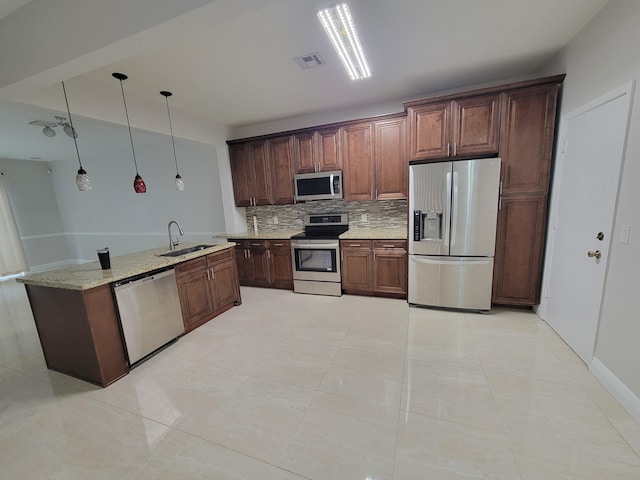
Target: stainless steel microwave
<point x="318" y="186"/>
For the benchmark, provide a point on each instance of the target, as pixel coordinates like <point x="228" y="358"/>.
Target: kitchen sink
<point x="184" y="251"/>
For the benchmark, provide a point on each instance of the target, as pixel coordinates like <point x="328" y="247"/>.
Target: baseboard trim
<point x="616" y="388"/>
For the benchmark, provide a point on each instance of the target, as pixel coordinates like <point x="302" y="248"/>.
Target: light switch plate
<point x="363" y="217"/>
<point x="275" y="219"/>
<point x="624" y="233"/>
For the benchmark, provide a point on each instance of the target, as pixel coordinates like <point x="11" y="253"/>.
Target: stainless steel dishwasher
<point x="150" y="312"/>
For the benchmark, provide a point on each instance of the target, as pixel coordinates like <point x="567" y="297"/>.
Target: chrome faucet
<point x="172" y="244"/>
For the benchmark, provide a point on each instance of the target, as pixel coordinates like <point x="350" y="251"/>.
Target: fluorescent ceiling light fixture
<point x="339" y="26"/>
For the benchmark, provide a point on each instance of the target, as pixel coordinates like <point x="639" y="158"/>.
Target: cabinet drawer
<point x="279" y="244"/>
<point x="215" y="258"/>
<point x="397" y="244"/>
<point x="190" y="266"/>
<point x="355" y="244"/>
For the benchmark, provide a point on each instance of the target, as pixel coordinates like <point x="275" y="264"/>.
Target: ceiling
<point x="240" y="71"/>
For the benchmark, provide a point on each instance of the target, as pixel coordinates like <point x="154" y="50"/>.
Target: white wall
<point x="33" y="201"/>
<point x="602" y="57"/>
<point x="113" y="215"/>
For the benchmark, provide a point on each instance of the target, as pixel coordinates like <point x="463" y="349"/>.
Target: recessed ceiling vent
<point x="311" y="60"/>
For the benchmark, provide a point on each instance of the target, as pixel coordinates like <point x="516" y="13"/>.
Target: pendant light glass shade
<point x="83" y="182"/>
<point x="179" y="182"/>
<point x="138" y="183"/>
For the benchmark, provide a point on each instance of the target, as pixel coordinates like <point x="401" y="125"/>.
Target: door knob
<point x="596" y="254"/>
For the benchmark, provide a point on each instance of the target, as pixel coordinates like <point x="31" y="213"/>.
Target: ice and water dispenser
<point x="427" y="225"/>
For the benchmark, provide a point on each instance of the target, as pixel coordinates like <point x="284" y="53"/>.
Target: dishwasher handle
<point x="143" y="278"/>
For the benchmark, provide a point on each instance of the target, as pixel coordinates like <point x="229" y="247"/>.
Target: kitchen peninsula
<point x="77" y="317"/>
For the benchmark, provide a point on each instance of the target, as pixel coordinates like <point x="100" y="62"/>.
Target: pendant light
<point x="138" y="183"/>
<point x="179" y="182"/>
<point x="82" y="179"/>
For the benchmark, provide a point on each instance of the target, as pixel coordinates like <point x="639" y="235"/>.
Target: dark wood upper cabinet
<point x="281" y="153"/>
<point x="526" y="145"/>
<point x="391" y="165"/>
<point x="251" y="173"/>
<point x="242" y="174"/>
<point x="259" y="154"/>
<point x="317" y="151"/>
<point x="476" y="125"/>
<point x="305" y="145"/>
<point x="462" y="127"/>
<point x="357" y="153"/>
<point x="430" y="130"/>
<point x="329" y="154"/>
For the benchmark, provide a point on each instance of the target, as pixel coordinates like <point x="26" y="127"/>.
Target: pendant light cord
<point x="175" y="158"/>
<point x="126" y="112"/>
<point x="75" y="142"/>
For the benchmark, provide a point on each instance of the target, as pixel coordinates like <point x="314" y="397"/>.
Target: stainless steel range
<point x="316" y="254"/>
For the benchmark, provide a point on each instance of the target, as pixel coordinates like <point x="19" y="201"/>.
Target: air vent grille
<point x="310" y="60"/>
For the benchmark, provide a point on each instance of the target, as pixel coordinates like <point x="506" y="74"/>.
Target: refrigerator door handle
<point x="454" y="208"/>
<point x="432" y="261"/>
<point x="447" y="212"/>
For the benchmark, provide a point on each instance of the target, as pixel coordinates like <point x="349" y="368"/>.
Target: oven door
<point x="316" y="260"/>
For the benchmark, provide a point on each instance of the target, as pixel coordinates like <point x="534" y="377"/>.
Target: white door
<point x="594" y="138"/>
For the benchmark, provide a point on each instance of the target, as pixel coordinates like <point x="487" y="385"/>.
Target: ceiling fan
<point x="49" y="131"/>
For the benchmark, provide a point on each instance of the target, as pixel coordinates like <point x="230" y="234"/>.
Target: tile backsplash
<point x="379" y="214"/>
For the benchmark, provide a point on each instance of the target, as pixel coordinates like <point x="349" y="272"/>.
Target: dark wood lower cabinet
<point x="357" y="266"/>
<point x="520" y="240"/>
<point x="374" y="267"/>
<point x="79" y="332"/>
<point x="207" y="287"/>
<point x="280" y="266"/>
<point x="265" y="263"/>
<point x="390" y="268"/>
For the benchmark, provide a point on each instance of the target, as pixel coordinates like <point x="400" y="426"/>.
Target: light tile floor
<point x="291" y="386"/>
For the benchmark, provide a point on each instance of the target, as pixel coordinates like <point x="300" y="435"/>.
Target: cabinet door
<point x="259" y="264"/>
<point x="261" y="188"/>
<point x="429" y="131"/>
<point x="357" y="267"/>
<point x="242" y="174"/>
<point x="280" y="267"/>
<point x="329" y="155"/>
<point x="391" y="165"/>
<point x="390" y="271"/>
<point x="281" y="153"/>
<point x="195" y="298"/>
<point x="244" y="264"/>
<point x="526" y="140"/>
<point x="224" y="285"/>
<point x="305" y="152"/>
<point x="519" y="249"/>
<point x="476" y="125"/>
<point x="359" y="175"/>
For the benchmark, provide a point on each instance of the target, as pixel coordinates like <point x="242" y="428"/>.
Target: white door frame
<point x="627" y="90"/>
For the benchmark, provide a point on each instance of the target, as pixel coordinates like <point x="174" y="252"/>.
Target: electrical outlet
<point x="275" y="219"/>
<point x="363" y="217"/>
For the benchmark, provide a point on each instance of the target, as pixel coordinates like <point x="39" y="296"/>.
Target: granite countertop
<point x="375" y="234"/>
<point x="90" y="275"/>
<point x="264" y="234"/>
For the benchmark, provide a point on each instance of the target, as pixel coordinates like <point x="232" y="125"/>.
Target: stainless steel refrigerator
<point x="453" y="208"/>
